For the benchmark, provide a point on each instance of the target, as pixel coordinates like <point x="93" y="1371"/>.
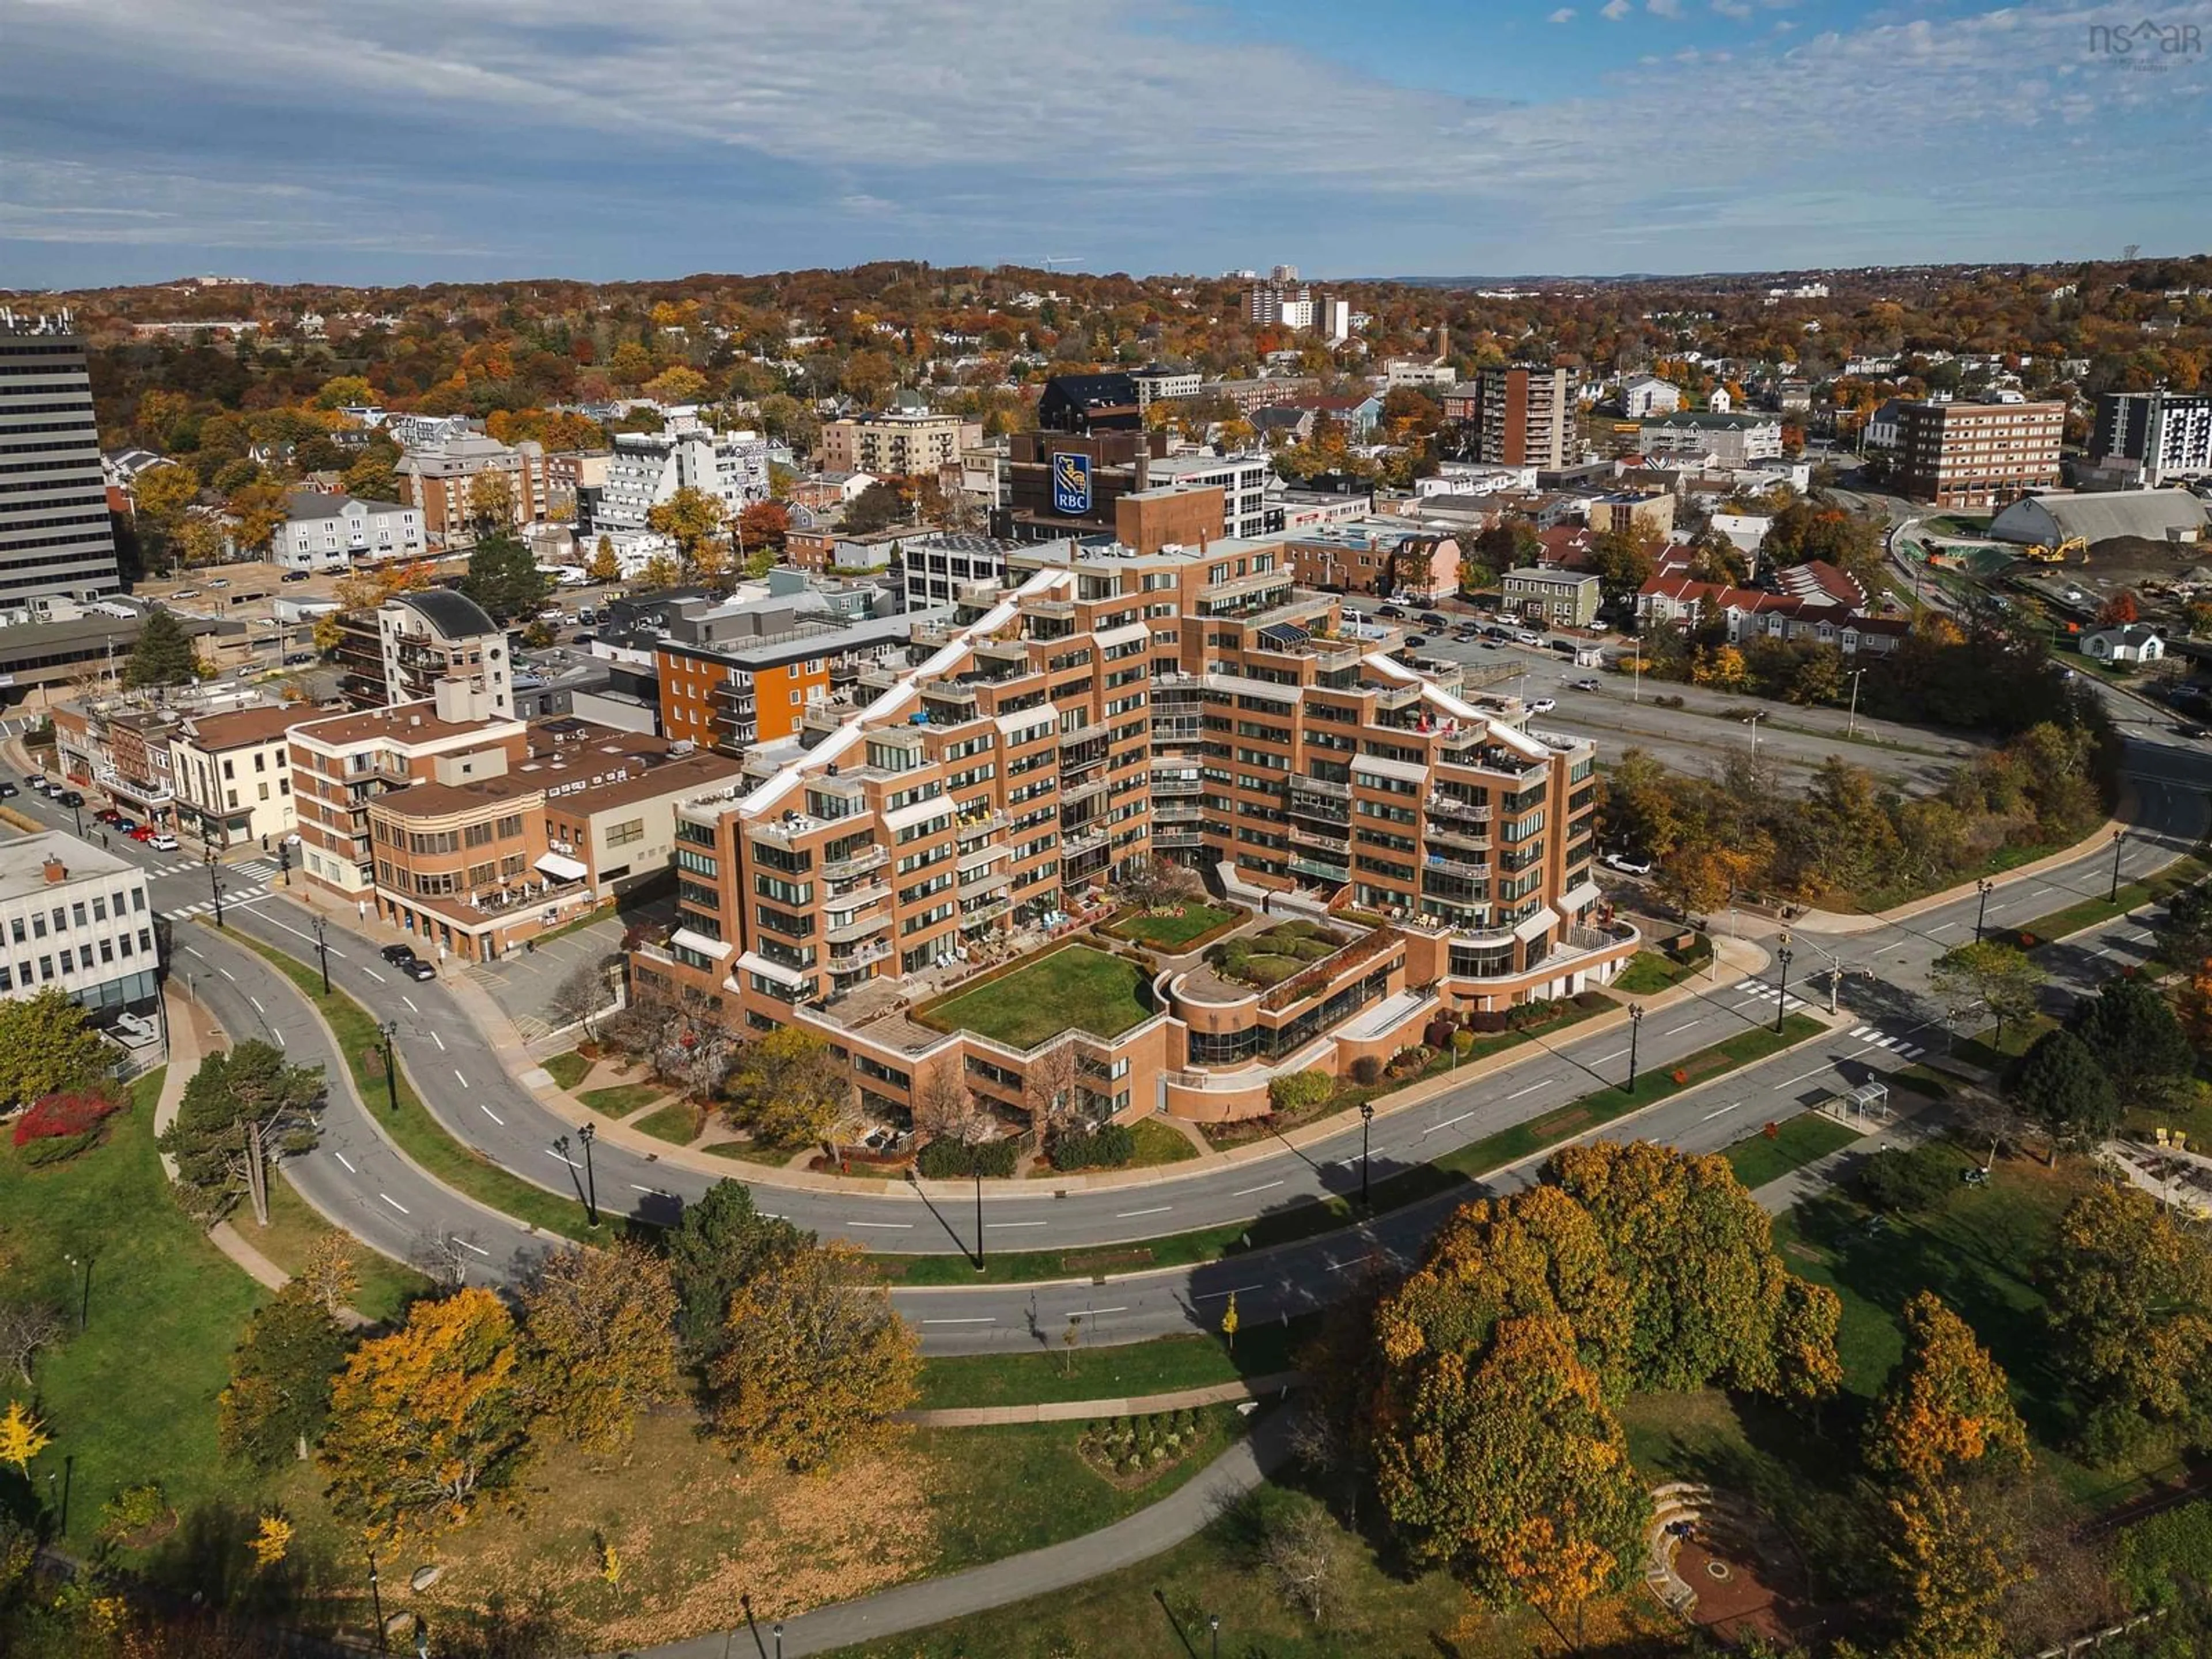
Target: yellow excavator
<point x="2043" y="554"/>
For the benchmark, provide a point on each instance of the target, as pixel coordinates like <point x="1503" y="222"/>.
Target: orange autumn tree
<point x="429" y="1422"/>
<point x="1510" y="1470"/>
<point x="1946" y="1406"/>
<point x="1952" y="1569"/>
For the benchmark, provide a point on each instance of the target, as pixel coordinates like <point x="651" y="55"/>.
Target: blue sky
<point x="421" y="141"/>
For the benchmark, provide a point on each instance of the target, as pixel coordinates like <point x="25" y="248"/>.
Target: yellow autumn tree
<point x="271" y="1541"/>
<point x="1953" y="1570"/>
<point x="429" y="1422"/>
<point x="22" y="1437"/>
<point x="604" y="566"/>
<point x="1723" y="666"/>
<point x="602" y="1330"/>
<point x="816" y="1363"/>
<point x="1946" y="1407"/>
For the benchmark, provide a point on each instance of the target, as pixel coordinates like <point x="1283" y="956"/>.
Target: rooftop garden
<point x="1074" y="988"/>
<point x="1267" y="958"/>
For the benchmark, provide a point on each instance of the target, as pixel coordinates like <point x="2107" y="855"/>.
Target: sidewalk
<point x="1078" y="1411"/>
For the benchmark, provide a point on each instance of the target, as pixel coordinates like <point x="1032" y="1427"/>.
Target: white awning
<point x="760" y="965"/>
<point x="716" y="948"/>
<point x="1127" y="634"/>
<point x="1535" y="925"/>
<point x="1409" y="771"/>
<point x="1580" y="897"/>
<point x="920" y="811"/>
<point x="562" y="868"/>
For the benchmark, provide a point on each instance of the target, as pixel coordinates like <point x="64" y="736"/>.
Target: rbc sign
<point x="1071" y="483"/>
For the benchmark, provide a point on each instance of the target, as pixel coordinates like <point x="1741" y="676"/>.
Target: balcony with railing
<point x="1453" y="809"/>
<point x="860" y="957"/>
<point x="1452" y="866"/>
<point x="989" y="879"/>
<point x="986" y="912"/>
<point x="872" y="857"/>
<point x="859" y="928"/>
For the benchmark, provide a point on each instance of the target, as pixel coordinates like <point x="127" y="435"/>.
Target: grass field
<point x="676" y="1123"/>
<point x="1157" y="1144"/>
<point x="1393" y="1191"/>
<point x="131" y="1397"/>
<point x="1074" y="988"/>
<point x="386" y="1287"/>
<point x="1796" y="1142"/>
<point x="1171" y="934"/>
<point x="419" y="1135"/>
<point x="1053" y="1371"/>
<point x="622" y="1098"/>
<point x="1652" y="971"/>
<point x="2087" y="913"/>
<point x="568" y="1070"/>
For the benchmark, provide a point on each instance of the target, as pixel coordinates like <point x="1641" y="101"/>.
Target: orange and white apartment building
<point x="959" y="812"/>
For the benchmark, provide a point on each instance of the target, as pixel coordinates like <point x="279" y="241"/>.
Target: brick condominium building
<point x="1962" y="454"/>
<point x="957" y="811"/>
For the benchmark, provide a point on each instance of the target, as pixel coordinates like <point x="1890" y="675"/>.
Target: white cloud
<point x="1613" y="10"/>
<point x="1565" y="15"/>
<point x="1739" y="9"/>
<point x="1663" y="8"/>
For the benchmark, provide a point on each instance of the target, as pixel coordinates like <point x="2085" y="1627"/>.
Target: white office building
<point x="55" y="535"/>
<point x="332" y="533"/>
<point x="75" y="919"/>
<point x="1241" y="479"/>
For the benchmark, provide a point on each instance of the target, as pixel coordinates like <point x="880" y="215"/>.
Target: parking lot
<point x="1709" y="726"/>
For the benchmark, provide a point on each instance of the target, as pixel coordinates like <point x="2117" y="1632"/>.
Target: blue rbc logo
<point x="1071" y="483"/>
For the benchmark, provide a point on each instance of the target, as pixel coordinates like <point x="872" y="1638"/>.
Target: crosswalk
<point x="1873" y="1035"/>
<point x="251" y="869"/>
<point x="231" y="900"/>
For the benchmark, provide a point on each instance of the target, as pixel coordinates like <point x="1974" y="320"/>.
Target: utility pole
<point x="1851" y="724"/>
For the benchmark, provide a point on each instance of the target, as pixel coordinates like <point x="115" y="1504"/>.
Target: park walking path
<point x="1135" y="1538"/>
<point x="1083" y="1411"/>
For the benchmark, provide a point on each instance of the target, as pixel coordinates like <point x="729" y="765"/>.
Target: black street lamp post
<point x="587" y="1134"/>
<point x="323" y="949"/>
<point x="2118" y="838"/>
<point x="1635" y="1026"/>
<point x="975" y="1168"/>
<point x="1214" y="1624"/>
<point x="376" y="1599"/>
<point x="1782" y="994"/>
<point x="1984" y="886"/>
<point x="390" y="1029"/>
<point x="1366" y="1123"/>
<point x="215" y="885"/>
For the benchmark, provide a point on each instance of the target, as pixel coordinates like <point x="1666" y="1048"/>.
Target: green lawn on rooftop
<point x="1075" y="986"/>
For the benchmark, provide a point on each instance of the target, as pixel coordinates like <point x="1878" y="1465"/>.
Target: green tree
<point x="2131" y="1029"/>
<point x="238" y="1094"/>
<point x="46" y="1047"/>
<point x="602" y="1330"/>
<point x="876" y="507"/>
<point x="788" y="1089"/>
<point x="345" y="391"/>
<point x="504" y="579"/>
<point x="815" y="1364"/>
<point x="279" y="1395"/>
<point x="2005" y="980"/>
<point x="2060" y="1084"/>
<point x="2185" y="932"/>
<point x="162" y="655"/>
<point x="720" y="1244"/>
<point x="1624" y="558"/>
<point x="428" y="1423"/>
<point x="372" y="477"/>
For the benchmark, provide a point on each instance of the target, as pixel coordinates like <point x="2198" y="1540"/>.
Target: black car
<point x="71" y="797"/>
<point x="1417" y="639"/>
<point x="1392" y="611"/>
<point x="7" y="791"/>
<point x="295" y="658"/>
<point x="1436" y="619"/>
<point x="415" y="968"/>
<point x="294" y="576"/>
<point x="398" y="954"/>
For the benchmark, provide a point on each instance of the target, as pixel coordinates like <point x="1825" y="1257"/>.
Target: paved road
<point x="462" y="1078"/>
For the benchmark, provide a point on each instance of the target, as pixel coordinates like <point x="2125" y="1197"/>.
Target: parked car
<point x="144" y="832"/>
<point x="1587" y="685"/>
<point x="1626" y="865"/>
<point x="40" y="786"/>
<point x="107" y="815"/>
<point x="2194" y="733"/>
<point x="162" y="843"/>
<point x="1543" y="706"/>
<point x="220" y="581"/>
<point x="297" y="659"/>
<point x="1525" y="637"/>
<point x="1436" y="619"/>
<point x="71" y="797"/>
<point x="118" y="823"/>
<point x="415" y="968"/>
<point x="185" y="593"/>
<point x="398" y="954"/>
<point x="8" y="790"/>
<point x="294" y="576"/>
<point x="1391" y="611"/>
<point x="1417" y="639"/>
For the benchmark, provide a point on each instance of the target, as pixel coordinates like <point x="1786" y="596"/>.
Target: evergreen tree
<point x="163" y="655"/>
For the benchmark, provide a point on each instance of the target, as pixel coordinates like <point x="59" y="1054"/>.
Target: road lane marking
<point x="227" y="974"/>
<point x="410" y="1002"/>
<point x="440" y="1041"/>
<point x="1530" y="1090"/>
<point x="491" y="1113"/>
<point x="1801" y="1076"/>
<point x="564" y="1158"/>
<point x="1447" y="1123"/>
<point x="1247" y="1192"/>
<point x="1674" y="1030"/>
<point x="395" y="1203"/>
<point x="1125" y="1215"/>
<point x="374" y="975"/>
<point x="1944" y="928"/>
<point x="310" y="938"/>
<point x="464" y="1082"/>
<point x="884" y="1226"/>
<point x="972" y="1319"/>
<point x="1724" y="1112"/>
<point x="256" y="1001"/>
<point x="465" y="1245"/>
<point x="1606" y="1059"/>
<point x="1017" y="1224"/>
<point x="1093" y="1313"/>
<point x="1234" y="1290"/>
<point x="342" y="1158"/>
<point x="655" y="1191"/>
